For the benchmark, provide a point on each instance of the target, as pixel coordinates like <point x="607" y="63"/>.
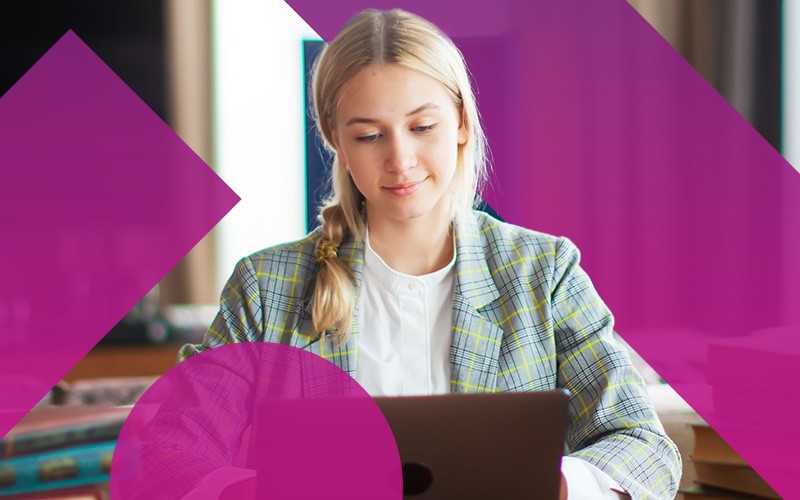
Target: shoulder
<point x="288" y="264"/>
<point x="286" y="257"/>
<point x="510" y="246"/>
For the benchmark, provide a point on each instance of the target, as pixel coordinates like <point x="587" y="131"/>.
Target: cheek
<point x="356" y="155"/>
<point x="446" y="154"/>
<point x="363" y="176"/>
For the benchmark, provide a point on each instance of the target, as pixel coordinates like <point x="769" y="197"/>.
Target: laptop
<point x="454" y="446"/>
<point x="500" y="445"/>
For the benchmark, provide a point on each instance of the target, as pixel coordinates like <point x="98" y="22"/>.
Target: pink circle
<point x="256" y="420"/>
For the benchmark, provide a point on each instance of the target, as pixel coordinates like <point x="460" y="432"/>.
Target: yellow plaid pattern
<point x="525" y="317"/>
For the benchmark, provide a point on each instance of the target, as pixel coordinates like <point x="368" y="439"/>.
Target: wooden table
<point x="125" y="361"/>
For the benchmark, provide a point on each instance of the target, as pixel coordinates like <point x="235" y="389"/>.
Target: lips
<point x="404" y="189"/>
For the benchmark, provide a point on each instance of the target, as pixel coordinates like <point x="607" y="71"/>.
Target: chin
<point x="409" y="209"/>
<point x="416" y="213"/>
<point x="410" y="215"/>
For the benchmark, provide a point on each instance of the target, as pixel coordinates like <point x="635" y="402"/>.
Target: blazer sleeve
<point x="199" y="425"/>
<point x="613" y="424"/>
<point x="201" y="420"/>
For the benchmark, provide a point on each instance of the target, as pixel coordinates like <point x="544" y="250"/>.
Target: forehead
<point x="387" y="90"/>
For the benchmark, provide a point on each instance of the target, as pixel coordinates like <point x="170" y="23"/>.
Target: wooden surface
<point x="125" y="361"/>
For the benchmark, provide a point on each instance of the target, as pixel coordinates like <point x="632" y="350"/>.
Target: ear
<point x="334" y="135"/>
<point x="463" y="135"/>
<point x="336" y="146"/>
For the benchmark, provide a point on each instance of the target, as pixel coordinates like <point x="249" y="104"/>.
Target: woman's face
<point x="398" y="132"/>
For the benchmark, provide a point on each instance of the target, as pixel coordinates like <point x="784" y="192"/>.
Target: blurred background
<point x="202" y="65"/>
<point x="229" y="78"/>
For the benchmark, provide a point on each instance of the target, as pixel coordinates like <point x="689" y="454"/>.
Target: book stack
<point x="721" y="472"/>
<point x="754" y="396"/>
<point x="60" y="453"/>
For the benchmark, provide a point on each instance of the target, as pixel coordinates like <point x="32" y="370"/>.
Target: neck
<point x="415" y="247"/>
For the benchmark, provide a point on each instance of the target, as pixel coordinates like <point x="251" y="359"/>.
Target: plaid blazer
<point x="525" y="318"/>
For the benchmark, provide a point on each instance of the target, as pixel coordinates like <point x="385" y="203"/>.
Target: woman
<point x="408" y="289"/>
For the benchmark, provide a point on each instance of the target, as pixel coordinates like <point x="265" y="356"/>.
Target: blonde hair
<point x="377" y="37"/>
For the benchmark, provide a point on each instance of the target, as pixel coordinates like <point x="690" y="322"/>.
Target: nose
<point x="401" y="154"/>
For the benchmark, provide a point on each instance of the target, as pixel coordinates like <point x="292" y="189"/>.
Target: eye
<point x="368" y="138"/>
<point x="424" y="128"/>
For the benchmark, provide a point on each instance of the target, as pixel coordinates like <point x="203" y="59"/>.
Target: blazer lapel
<point x="475" y="348"/>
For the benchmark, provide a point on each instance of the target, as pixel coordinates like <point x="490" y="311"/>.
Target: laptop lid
<point x="500" y="445"/>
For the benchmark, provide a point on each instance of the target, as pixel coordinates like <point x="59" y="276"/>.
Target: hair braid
<point x="333" y="301"/>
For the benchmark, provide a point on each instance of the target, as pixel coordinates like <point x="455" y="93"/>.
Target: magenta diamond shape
<point x="100" y="199"/>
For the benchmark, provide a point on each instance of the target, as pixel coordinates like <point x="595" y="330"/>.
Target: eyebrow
<point x="420" y="109"/>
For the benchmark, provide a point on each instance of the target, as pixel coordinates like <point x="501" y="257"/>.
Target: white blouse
<point x="404" y="342"/>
